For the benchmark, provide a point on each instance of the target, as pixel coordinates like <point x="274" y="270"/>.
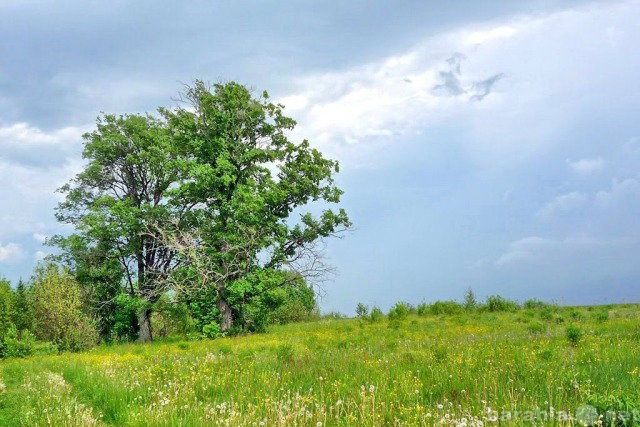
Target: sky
<point x="489" y="145"/>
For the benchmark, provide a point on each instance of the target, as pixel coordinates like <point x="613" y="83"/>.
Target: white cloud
<point x="543" y="251"/>
<point x="586" y="166"/>
<point x="564" y="203"/>
<point x="23" y="144"/>
<point x="39" y="255"/>
<point x="39" y="237"/>
<point x="10" y="252"/>
<point x="525" y="73"/>
<point x="621" y="192"/>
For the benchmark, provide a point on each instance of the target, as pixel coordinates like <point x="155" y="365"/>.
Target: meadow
<point x="532" y="366"/>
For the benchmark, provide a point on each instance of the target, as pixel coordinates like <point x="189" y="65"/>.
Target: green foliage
<point x="376" y="314"/>
<point x="470" y="302"/>
<point x="573" y="334"/>
<point x="22" y="313"/>
<point x="399" y="311"/>
<point x="536" y="327"/>
<point x="6" y="307"/>
<point x="445" y="307"/>
<point x="362" y="311"/>
<point x="211" y="330"/>
<point x="58" y="311"/>
<point x="97" y="268"/>
<point x="602" y="315"/>
<point x="206" y="170"/>
<point x="535" y="304"/>
<point x="125" y="317"/>
<point x="14" y="346"/>
<point x="496" y="303"/>
<point x="171" y="318"/>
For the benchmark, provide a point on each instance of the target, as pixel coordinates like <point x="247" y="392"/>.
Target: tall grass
<point x="465" y="368"/>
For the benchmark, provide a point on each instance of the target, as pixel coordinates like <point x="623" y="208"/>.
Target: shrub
<point x="576" y="315"/>
<point x="13" y="346"/>
<point x="125" y="317"/>
<point x="362" y="311"/>
<point x="496" y="303"/>
<point x="470" y="302"/>
<point x="376" y="314"/>
<point x="58" y="311"/>
<point x="212" y="330"/>
<point x="535" y="304"/>
<point x="446" y="307"/>
<point x="573" y="334"/>
<point x="400" y="311"/>
<point x="171" y="318"/>
<point x="546" y="313"/>
<point x="422" y="309"/>
<point x="536" y="327"/>
<point x="333" y="315"/>
<point x="602" y="315"/>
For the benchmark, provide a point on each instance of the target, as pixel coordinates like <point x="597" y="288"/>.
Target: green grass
<point x="415" y="371"/>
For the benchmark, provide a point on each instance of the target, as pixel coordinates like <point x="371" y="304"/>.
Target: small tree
<point x="22" y="313"/>
<point x="6" y="307"/>
<point x="470" y="302"/>
<point x="58" y="311"/>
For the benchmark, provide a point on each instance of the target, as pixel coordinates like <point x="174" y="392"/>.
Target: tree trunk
<point x="227" y="315"/>
<point x="144" y="321"/>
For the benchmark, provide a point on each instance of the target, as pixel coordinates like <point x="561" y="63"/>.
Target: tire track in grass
<point x="49" y="400"/>
<point x="12" y="376"/>
<point x="95" y="389"/>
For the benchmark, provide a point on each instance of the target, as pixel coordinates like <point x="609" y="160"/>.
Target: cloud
<point x="10" y="252"/>
<point x="26" y="145"/>
<point x="483" y="88"/>
<point x="564" y="203"/>
<point x="621" y="193"/>
<point x="39" y="237"/>
<point x="430" y="86"/>
<point x="586" y="166"/>
<point x="535" y="250"/>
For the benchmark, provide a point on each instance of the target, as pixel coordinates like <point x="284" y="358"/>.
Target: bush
<point x="535" y="304"/>
<point x="496" y="303"/>
<point x="422" y="309"/>
<point x="536" y="327"/>
<point x="470" y="302"/>
<point x="573" y="334"/>
<point x="58" y="311"/>
<point x="170" y="318"/>
<point x="125" y="317"/>
<point x="400" y="311"/>
<point x="376" y="314"/>
<point x="13" y="346"/>
<point x="445" y="307"/>
<point x="212" y="330"/>
<point x="362" y="311"/>
<point x="602" y="315"/>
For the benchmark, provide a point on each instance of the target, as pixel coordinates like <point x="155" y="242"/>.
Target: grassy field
<point x="465" y="369"/>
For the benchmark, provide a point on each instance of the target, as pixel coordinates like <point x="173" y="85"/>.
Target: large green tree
<point x="203" y="196"/>
<point x="245" y="180"/>
<point x="123" y="188"/>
